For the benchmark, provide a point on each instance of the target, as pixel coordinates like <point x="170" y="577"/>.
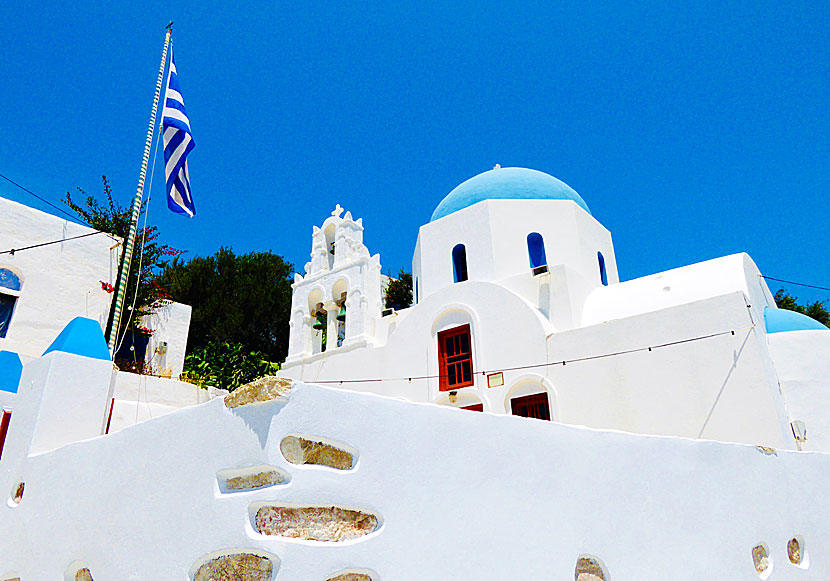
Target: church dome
<point x="507" y="183"/>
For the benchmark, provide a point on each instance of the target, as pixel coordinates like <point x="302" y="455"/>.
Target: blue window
<point x="459" y="263"/>
<point x="9" y="282"/>
<point x="536" y="250"/>
<point x="602" y="274"/>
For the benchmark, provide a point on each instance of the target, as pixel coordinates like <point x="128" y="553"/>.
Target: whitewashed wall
<point x="802" y="361"/>
<point x="139" y="398"/>
<point x="60" y="281"/>
<point x="166" y="347"/>
<point x="461" y="495"/>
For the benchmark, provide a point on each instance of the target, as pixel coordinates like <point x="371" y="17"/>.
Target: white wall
<point x="142" y="397"/>
<point x="166" y="346"/>
<point x="494" y="233"/>
<point x="60" y="281"/>
<point x="802" y="361"/>
<point x="461" y="496"/>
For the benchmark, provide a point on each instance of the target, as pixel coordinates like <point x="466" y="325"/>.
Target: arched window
<point x="536" y="252"/>
<point x="602" y="274"/>
<point x="459" y="263"/>
<point x="9" y="291"/>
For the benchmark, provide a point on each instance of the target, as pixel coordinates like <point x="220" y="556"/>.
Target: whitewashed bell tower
<point x="336" y="305"/>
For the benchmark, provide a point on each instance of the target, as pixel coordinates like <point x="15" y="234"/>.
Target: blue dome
<point x="782" y="320"/>
<point x="506" y="183"/>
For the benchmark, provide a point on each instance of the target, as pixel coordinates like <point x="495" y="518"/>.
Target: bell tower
<point x="338" y="301"/>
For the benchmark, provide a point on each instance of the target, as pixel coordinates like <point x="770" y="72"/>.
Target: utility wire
<point x="549" y="364"/>
<point x="45" y="201"/>
<point x="15" y="250"/>
<point x="795" y="283"/>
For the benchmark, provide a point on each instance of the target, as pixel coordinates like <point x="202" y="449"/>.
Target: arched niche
<point x="329" y="232"/>
<point x="528" y="385"/>
<point x="536" y="250"/>
<point x="453" y="316"/>
<point x="10" y="278"/>
<point x="462" y="400"/>
<point x="459" y="263"/>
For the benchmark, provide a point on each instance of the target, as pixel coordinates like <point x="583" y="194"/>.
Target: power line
<point x="45" y="201"/>
<point x="548" y="364"/>
<point x="795" y="283"/>
<point x="14" y="250"/>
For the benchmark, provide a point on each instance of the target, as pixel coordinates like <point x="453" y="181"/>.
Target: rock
<point x="262" y="390"/>
<point x="315" y="523"/>
<point x="236" y="567"/>
<point x="299" y="450"/>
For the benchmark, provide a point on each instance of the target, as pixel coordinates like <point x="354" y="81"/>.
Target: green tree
<point x="244" y="299"/>
<point x="398" y="293"/>
<point x="149" y="259"/>
<point x="226" y="365"/>
<point x="816" y="310"/>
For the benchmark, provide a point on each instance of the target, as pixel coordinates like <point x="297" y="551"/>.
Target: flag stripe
<point x="178" y="142"/>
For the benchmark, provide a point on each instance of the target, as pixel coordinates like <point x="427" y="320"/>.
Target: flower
<point x="105" y="286"/>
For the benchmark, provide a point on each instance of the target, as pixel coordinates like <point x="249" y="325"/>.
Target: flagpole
<point x="123" y="275"/>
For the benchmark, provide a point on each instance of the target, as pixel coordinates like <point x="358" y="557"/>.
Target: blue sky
<point x="692" y="130"/>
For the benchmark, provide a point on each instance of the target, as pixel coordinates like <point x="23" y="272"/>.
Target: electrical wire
<point x="795" y="283"/>
<point x="13" y="251"/>
<point x="548" y="364"/>
<point x="45" y="201"/>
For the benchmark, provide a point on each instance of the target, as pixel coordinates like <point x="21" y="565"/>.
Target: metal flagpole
<point x="130" y="244"/>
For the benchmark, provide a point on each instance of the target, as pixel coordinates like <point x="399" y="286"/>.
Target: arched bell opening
<point x="319" y="321"/>
<point x="339" y="293"/>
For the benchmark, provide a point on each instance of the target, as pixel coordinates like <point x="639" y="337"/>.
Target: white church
<point x="519" y="310"/>
<point x="675" y="426"/>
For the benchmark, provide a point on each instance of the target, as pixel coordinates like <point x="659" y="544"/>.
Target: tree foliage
<point x="226" y="365"/>
<point x="398" y="293"/>
<point x="244" y="299"/>
<point x="149" y="259"/>
<point x="816" y="310"/>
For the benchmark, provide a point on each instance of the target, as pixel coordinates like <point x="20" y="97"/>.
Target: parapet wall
<point x="430" y="493"/>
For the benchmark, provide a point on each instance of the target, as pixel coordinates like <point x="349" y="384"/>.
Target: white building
<point x="519" y="309"/>
<point x="53" y="271"/>
<point x="58" y="271"/>
<point x="519" y="312"/>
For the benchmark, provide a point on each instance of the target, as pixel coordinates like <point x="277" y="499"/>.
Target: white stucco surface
<point x="166" y="347"/>
<point x="802" y="362"/>
<point x="460" y="495"/>
<point x="142" y="397"/>
<point x="60" y="281"/>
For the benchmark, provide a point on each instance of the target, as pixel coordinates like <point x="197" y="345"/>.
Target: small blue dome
<point x="507" y="183"/>
<point x="781" y="320"/>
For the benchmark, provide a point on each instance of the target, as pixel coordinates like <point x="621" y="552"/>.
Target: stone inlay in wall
<point x="262" y="390"/>
<point x="761" y="560"/>
<point x="298" y="450"/>
<point x="794" y="551"/>
<point x="315" y="523"/>
<point x="17" y="492"/>
<point x="236" y="567"/>
<point x="251" y="478"/>
<point x="589" y="569"/>
<point x="83" y="575"/>
<point x="351" y="577"/>
<point x="797" y="552"/>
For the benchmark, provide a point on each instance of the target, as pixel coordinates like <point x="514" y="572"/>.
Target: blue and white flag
<point x="177" y="144"/>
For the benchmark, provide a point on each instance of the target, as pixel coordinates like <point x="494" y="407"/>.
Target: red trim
<point x="531" y="406"/>
<point x="4" y="429"/>
<point x="109" y="417"/>
<point x="455" y="358"/>
<point x="476" y="407"/>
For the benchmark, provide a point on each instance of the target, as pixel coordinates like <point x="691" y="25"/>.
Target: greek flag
<point x="177" y="144"/>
